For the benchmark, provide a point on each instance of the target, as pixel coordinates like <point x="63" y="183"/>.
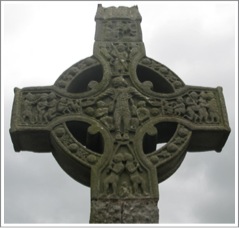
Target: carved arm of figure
<point x="105" y="53"/>
<point x="108" y="93"/>
<point x="134" y="92"/>
<point x="110" y="168"/>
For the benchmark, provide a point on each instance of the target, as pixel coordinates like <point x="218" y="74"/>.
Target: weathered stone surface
<point x="124" y="211"/>
<point x="105" y="115"/>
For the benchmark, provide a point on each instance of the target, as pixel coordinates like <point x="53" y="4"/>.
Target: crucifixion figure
<point x="105" y="115"/>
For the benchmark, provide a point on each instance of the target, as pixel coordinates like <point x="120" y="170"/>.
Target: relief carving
<point x="113" y="175"/>
<point x="202" y="107"/>
<point x="134" y="170"/>
<point x="199" y="107"/>
<point x="118" y="56"/>
<point x="41" y="108"/>
<point x="121" y="108"/>
<point x="120" y="30"/>
<point x="124" y="177"/>
<point x="117" y="108"/>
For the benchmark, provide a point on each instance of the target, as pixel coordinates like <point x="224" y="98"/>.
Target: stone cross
<point x="105" y="115"/>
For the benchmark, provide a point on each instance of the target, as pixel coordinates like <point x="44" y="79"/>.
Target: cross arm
<point x="36" y="110"/>
<point x="25" y="134"/>
<point x="194" y="120"/>
<point x="210" y="128"/>
<point x="201" y="109"/>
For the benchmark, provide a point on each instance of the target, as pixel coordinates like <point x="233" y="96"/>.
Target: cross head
<point x="105" y="115"/>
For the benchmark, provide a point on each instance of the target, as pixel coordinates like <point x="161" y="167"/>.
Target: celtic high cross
<point x="105" y="115"/>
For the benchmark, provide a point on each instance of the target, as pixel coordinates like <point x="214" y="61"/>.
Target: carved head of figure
<point x="118" y="158"/>
<point x="121" y="48"/>
<point x="119" y="82"/>
<point x="194" y="95"/>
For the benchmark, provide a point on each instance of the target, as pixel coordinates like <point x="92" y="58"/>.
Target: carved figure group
<point x="134" y="186"/>
<point x="201" y="107"/>
<point x="121" y="107"/>
<point x="198" y="107"/>
<point x="42" y="108"/>
<point x="118" y="56"/>
<point x="114" y="171"/>
<point x="120" y="30"/>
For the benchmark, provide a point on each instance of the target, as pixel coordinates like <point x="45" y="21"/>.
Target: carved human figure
<point x="179" y="108"/>
<point x="63" y="106"/>
<point x="77" y="106"/>
<point x="167" y="108"/>
<point x="42" y="108"/>
<point x="133" y="168"/>
<point x="52" y="106"/>
<point x="192" y="106"/>
<point x="120" y="57"/>
<point x="124" y="106"/>
<point x="125" y="190"/>
<point x="114" y="171"/>
<point x="117" y="55"/>
<point x="28" y="114"/>
<point x="203" y="113"/>
<point x="102" y="113"/>
<point x="133" y="50"/>
<point x="73" y="105"/>
<point x="212" y="108"/>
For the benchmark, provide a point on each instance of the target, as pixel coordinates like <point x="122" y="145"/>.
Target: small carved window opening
<point x="153" y="80"/>
<point x="86" y="80"/>
<point x="80" y="132"/>
<point x="165" y="131"/>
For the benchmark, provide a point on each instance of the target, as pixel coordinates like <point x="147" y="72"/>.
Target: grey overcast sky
<point x="197" y="40"/>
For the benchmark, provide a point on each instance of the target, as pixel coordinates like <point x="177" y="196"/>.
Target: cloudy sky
<point x="194" y="39"/>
